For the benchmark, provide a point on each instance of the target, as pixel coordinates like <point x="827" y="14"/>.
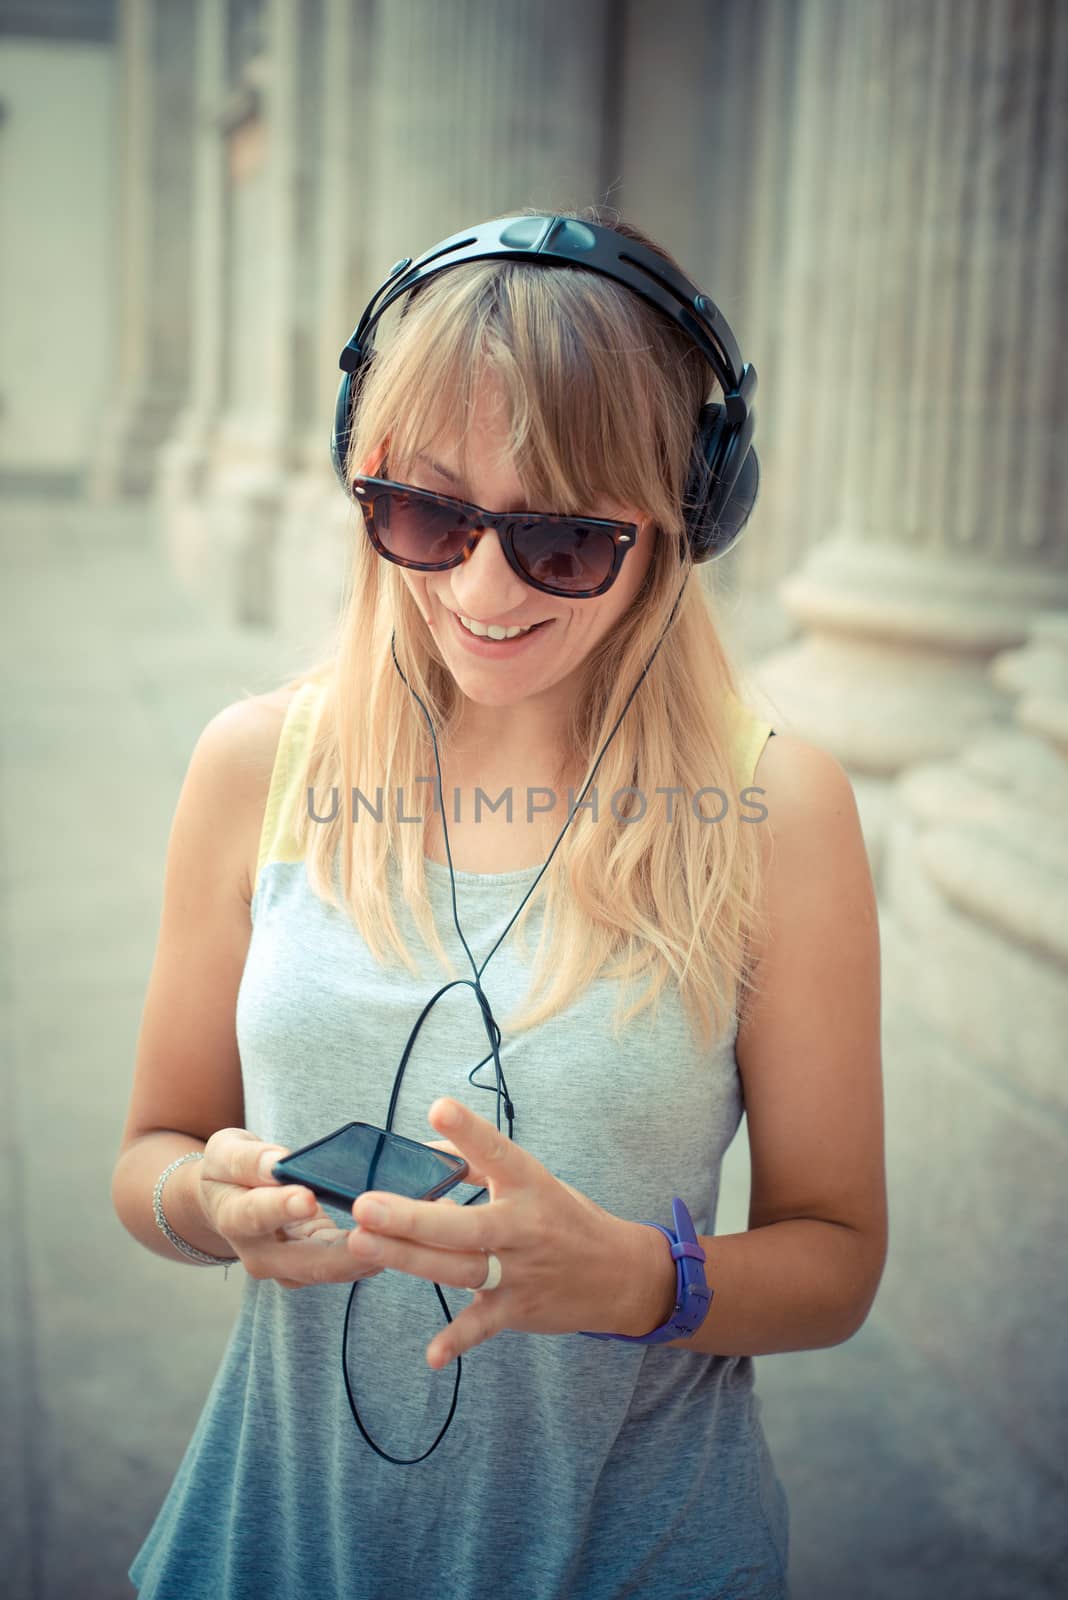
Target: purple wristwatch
<point x="693" y="1296"/>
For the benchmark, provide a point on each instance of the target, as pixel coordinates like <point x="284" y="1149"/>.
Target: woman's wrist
<point x="181" y="1200"/>
<point x="186" y="1247"/>
<point x="654" y="1281"/>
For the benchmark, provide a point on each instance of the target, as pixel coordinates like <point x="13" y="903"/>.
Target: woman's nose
<point x="484" y="585"/>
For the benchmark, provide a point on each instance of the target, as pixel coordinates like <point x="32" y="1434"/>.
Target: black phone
<point x="357" y="1157"/>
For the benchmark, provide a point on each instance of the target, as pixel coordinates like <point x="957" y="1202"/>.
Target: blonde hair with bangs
<point x="603" y="394"/>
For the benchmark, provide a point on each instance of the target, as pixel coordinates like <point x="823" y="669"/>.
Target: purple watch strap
<point x="691" y="1286"/>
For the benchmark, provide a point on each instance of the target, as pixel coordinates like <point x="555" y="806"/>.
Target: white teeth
<point x="493" y="631"/>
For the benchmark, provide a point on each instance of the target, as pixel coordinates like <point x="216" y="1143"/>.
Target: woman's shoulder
<point x="811" y="806"/>
<point x="244" y="735"/>
<point x="801" y="775"/>
<point x="248" y="730"/>
<point x="244" y="742"/>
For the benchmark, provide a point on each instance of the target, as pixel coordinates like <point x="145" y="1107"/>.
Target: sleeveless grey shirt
<point x="574" y="1469"/>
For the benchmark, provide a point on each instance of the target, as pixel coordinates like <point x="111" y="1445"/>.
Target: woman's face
<point x="544" y="668"/>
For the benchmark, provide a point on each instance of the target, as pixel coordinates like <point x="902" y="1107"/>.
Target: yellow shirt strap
<point x="751" y="734"/>
<point x="287" y="778"/>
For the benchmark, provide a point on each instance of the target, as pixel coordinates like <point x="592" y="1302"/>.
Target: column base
<point x="894" y="665"/>
<point x="977" y="877"/>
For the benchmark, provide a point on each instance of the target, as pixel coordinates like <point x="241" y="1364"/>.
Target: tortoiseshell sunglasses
<point x="575" y="557"/>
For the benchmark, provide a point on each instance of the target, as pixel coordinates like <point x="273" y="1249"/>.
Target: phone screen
<point x="357" y="1157"/>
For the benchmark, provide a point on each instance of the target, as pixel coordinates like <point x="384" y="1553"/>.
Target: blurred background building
<point x="197" y="197"/>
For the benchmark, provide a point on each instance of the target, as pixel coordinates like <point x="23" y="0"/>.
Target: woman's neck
<point x="505" y="748"/>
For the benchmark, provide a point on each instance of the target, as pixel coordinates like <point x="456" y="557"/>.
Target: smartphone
<point x="358" y="1157"/>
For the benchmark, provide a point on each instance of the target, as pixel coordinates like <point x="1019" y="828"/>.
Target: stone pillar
<point x="978" y="860"/>
<point x="951" y="530"/>
<point x="317" y="522"/>
<point x="156" y="54"/>
<point x="745" y="162"/>
<point x="975" y="958"/>
<point x="254" y="442"/>
<point x="801" y="296"/>
<point x="185" y="460"/>
<point x="946" y="553"/>
<point x="523" y="94"/>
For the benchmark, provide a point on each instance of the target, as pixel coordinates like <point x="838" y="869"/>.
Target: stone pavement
<point x="899" y="1486"/>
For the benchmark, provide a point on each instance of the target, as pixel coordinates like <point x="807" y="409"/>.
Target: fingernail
<point x="266" y="1163"/>
<point x="297" y="1205"/>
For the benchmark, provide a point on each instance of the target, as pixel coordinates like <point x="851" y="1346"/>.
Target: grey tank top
<point x="574" y="1469"/>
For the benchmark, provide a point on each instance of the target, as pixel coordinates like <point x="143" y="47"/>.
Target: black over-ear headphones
<point x="722" y="485"/>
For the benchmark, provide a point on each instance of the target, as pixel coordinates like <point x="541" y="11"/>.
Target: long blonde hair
<point x="603" y="395"/>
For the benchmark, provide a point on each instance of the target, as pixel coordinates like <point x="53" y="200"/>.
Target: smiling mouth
<point x="494" y="633"/>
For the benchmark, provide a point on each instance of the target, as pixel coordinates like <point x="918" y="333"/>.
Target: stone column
<point x="254" y="443"/>
<point x="978" y="861"/>
<point x="975" y="959"/>
<point x="460" y="111"/>
<point x="317" y="522"/>
<point x="156" y="53"/>
<point x="950" y="557"/>
<point x="951" y="531"/>
<point x="746" y="109"/>
<point x="481" y="105"/>
<point x="185" y="460"/>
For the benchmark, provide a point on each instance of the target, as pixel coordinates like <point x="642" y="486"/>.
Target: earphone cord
<point x="493" y="1031"/>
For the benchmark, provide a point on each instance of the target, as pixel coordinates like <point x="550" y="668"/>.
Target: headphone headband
<point x="570" y="242"/>
<point x="725" y="475"/>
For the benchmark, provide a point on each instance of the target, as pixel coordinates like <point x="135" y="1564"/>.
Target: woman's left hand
<point x="564" y="1259"/>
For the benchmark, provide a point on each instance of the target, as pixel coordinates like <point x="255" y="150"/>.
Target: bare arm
<point x="187" y="1074"/>
<point x="806" y="1273"/>
<point x="187" y="1091"/>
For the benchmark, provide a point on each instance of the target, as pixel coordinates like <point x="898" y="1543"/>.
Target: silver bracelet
<point x="165" y="1227"/>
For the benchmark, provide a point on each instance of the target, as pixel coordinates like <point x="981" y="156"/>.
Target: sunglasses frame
<point x="624" y="535"/>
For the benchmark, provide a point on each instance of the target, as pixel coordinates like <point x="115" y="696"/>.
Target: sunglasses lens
<point x="570" y="557"/>
<point x="418" y="530"/>
<point x="567" y="557"/>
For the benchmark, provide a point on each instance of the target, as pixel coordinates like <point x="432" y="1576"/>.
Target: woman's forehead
<point x="464" y="457"/>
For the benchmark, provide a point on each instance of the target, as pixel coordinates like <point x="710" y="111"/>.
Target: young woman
<point x="703" y="939"/>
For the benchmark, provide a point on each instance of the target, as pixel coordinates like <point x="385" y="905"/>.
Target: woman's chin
<point x="489" y="689"/>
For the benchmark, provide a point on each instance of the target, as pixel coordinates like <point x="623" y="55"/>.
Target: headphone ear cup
<point x="740" y="501"/>
<point x="723" y="483"/>
<point x="348" y="392"/>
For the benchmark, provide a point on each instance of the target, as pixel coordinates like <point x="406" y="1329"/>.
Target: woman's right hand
<point x="244" y="1203"/>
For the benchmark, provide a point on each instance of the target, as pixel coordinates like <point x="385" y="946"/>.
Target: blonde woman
<point x="696" y="935"/>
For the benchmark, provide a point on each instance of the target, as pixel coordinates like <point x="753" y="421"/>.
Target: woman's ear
<point x="371" y="466"/>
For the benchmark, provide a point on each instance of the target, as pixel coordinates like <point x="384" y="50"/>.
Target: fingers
<point x="460" y="1269"/>
<point x="481" y="1320"/>
<point x="270" y="1208"/>
<point x="455" y="1227"/>
<point x="253" y="1165"/>
<point x="279" y="1230"/>
<point x="487" y="1151"/>
<point x="234" y="1155"/>
<point x="320" y="1228"/>
<point x="475" y="1179"/>
<point x="300" y="1254"/>
<point x="451" y="1227"/>
<point x="249" y="1202"/>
